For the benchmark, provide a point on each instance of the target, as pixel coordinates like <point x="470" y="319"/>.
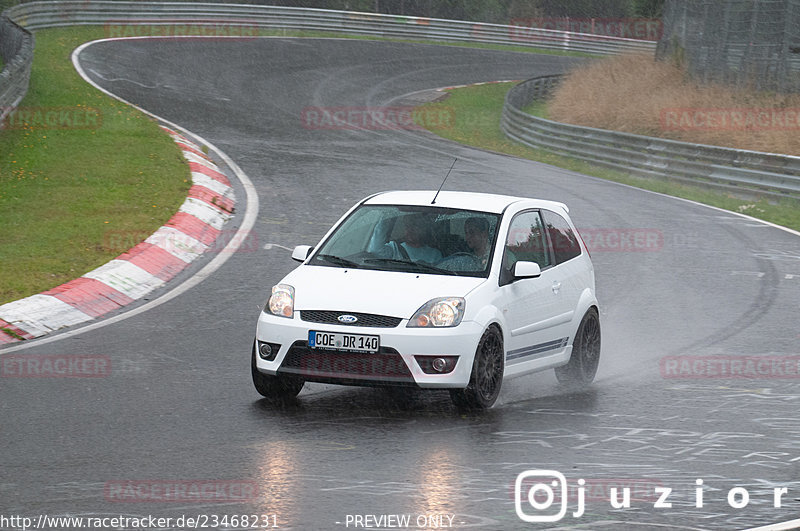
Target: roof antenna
<point x="445" y="178"/>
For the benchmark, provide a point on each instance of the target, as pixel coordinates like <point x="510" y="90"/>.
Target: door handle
<point x="556" y="286"/>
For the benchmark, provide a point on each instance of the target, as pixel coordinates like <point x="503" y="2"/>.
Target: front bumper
<point x="393" y="365"/>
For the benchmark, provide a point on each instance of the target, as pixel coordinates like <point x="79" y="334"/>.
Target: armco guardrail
<point x="16" y="49"/>
<point x="729" y="169"/>
<point x="37" y="15"/>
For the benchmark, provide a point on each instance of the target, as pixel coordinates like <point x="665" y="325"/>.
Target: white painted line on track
<point x="782" y="526"/>
<point x="248" y="221"/>
<point x="760" y="222"/>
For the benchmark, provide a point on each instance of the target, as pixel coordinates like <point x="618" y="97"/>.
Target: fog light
<point x="268" y="351"/>
<point x="437" y="364"/>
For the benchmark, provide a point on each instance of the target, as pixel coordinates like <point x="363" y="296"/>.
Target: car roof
<point x="464" y="200"/>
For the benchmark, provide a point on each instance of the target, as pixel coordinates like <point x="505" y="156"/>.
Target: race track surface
<point x="178" y="405"/>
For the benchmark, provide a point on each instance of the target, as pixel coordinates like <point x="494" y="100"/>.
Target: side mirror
<point x="301" y="252"/>
<point x="527" y="270"/>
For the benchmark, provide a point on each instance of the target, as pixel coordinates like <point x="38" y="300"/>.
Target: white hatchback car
<point x="454" y="293"/>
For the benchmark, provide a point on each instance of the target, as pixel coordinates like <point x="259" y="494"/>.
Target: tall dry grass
<point x="633" y="93"/>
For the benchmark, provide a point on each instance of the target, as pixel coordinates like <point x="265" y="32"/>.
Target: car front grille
<point x="385" y="367"/>
<point x="363" y="319"/>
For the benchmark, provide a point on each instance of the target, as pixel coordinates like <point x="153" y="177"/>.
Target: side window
<point x="562" y="238"/>
<point x="525" y="241"/>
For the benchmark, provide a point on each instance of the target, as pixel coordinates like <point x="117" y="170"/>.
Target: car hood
<point x="388" y="293"/>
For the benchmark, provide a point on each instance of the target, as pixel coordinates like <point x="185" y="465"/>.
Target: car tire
<point x="583" y="363"/>
<point x="274" y="387"/>
<point x="487" y="373"/>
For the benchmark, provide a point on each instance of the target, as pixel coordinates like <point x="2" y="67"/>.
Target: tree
<point x="648" y="8"/>
<point x="587" y="8"/>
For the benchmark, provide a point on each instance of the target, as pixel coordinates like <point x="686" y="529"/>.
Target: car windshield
<point x="415" y="239"/>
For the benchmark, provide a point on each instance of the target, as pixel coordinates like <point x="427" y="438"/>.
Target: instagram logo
<point x="544" y="489"/>
<point x="537" y="488"/>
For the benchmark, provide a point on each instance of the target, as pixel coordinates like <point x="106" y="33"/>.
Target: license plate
<point x="344" y="342"/>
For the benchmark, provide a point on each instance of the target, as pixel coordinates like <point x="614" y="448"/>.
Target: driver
<point x="476" y="233"/>
<point x="415" y="241"/>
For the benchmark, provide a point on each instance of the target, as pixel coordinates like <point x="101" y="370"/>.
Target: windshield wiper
<point x="419" y="265"/>
<point x="337" y="260"/>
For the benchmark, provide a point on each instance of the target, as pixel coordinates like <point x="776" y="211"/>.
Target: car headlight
<point x="439" y="313"/>
<point x="281" y="302"/>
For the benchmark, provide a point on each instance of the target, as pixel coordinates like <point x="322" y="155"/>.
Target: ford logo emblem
<point x="347" y="319"/>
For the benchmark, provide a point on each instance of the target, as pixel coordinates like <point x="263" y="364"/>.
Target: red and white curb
<point x="138" y="271"/>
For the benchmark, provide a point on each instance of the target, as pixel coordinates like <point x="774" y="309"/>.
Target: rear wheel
<point x="585" y="358"/>
<point x="487" y="373"/>
<point x="274" y="387"/>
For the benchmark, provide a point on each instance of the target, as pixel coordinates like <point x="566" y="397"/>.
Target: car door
<point x="533" y="307"/>
<point x="571" y="269"/>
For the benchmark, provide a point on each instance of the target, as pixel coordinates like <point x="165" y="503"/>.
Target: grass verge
<point x="72" y="192"/>
<point x="477" y="112"/>
<point x="637" y="94"/>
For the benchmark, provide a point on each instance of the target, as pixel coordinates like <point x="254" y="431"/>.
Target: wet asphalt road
<point x="178" y="407"/>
